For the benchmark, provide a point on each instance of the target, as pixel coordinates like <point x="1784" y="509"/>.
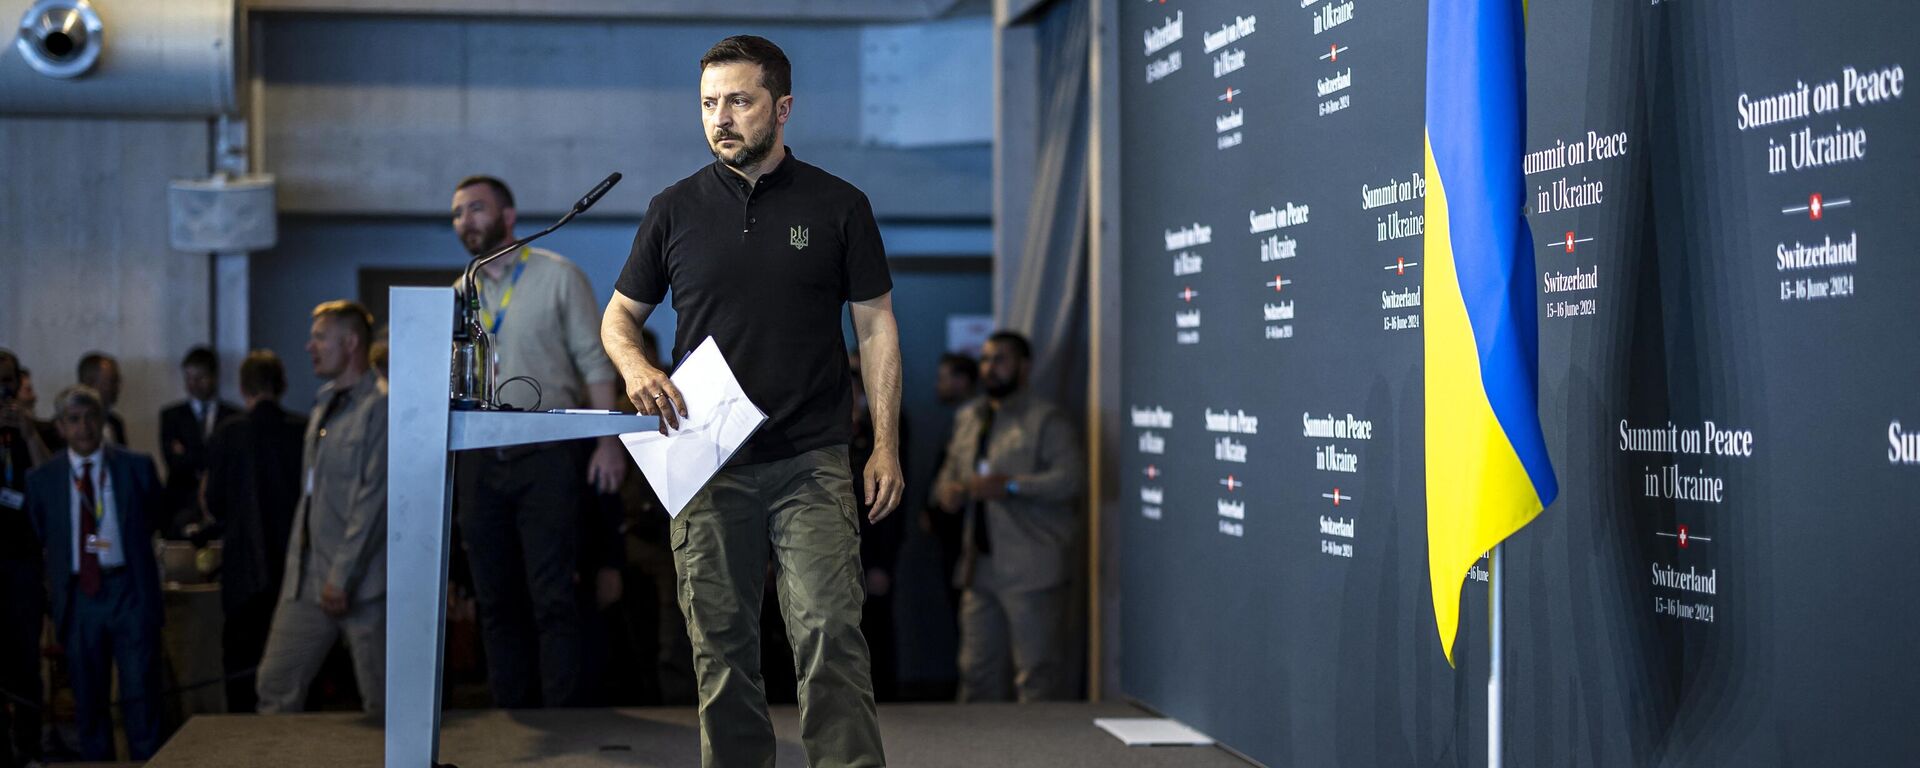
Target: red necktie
<point x="89" y="526"/>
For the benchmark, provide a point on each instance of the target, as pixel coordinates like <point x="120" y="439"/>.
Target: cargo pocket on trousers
<point x="677" y="544"/>
<point x="850" y="510"/>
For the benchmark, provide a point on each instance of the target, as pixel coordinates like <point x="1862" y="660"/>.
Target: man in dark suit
<point x="252" y="487"/>
<point x="92" y="512"/>
<point x="184" y="430"/>
<point x="100" y="372"/>
<point x="22" y="600"/>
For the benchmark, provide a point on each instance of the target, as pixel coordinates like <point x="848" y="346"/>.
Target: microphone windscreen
<point x="597" y="192"/>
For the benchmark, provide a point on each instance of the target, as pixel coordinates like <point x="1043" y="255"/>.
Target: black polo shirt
<point x="765" y="269"/>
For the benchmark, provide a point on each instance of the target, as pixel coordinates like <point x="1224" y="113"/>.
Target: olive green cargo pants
<point x="799" y="511"/>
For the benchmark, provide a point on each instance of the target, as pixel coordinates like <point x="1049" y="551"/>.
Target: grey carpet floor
<point x="1060" y="735"/>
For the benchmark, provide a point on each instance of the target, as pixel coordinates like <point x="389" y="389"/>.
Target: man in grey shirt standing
<point x="336" y="576"/>
<point x="519" y="507"/>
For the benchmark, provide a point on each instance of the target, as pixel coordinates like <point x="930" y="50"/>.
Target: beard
<point x="999" y="390"/>
<point x="486" y="240"/>
<point x="748" y="155"/>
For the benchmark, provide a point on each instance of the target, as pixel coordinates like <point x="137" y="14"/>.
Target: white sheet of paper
<point x="1151" y="731"/>
<point x="719" y="420"/>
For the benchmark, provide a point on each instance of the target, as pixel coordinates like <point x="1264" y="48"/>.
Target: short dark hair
<point x="962" y="365"/>
<point x="262" y="373"/>
<point x="499" y="187"/>
<point x="776" y="73"/>
<point x="90" y="365"/>
<point x="201" y="357"/>
<point x="1014" y="340"/>
<point x="354" y="315"/>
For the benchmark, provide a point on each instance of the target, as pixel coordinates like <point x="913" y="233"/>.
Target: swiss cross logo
<point x="1153" y="472"/>
<point x="1816" y="206"/>
<point x="1569" y="242"/>
<point x="1683" y="535"/>
<point x="797" y="237"/>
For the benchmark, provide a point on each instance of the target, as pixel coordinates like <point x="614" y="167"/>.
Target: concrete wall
<point x="83" y="216"/>
<point x="379" y="115"/>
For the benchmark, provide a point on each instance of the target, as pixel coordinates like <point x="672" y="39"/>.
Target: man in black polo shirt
<point x="761" y="251"/>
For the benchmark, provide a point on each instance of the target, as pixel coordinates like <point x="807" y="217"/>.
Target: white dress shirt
<point x="203" y="413"/>
<point x="109" y="528"/>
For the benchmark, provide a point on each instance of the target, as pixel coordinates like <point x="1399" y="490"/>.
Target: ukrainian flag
<point x="1487" y="468"/>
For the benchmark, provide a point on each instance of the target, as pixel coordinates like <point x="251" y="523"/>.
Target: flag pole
<point x="1493" y="668"/>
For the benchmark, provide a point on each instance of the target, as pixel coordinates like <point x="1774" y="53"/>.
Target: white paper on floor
<point x="1151" y="732"/>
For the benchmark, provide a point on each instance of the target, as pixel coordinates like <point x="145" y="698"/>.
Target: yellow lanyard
<point x="499" y="316"/>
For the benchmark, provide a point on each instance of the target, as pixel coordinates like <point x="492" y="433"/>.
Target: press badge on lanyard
<point x="96" y="543"/>
<point x="498" y="316"/>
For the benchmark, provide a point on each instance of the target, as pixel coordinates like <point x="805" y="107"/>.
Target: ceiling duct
<point x="119" y="57"/>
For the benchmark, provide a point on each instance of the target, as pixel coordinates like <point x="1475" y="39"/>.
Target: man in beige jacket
<point x="336" y="577"/>
<point x="1015" y="470"/>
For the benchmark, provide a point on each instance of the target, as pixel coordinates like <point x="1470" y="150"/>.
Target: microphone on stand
<point x="472" y="348"/>
<point x="594" y="195"/>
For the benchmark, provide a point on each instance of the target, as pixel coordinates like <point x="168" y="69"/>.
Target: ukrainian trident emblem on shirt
<point x="797" y="237"/>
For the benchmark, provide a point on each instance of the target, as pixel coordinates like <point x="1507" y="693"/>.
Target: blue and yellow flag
<point x="1487" y="468"/>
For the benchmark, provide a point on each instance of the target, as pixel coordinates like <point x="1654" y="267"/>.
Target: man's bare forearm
<point x="620" y="334"/>
<point x="880" y="372"/>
